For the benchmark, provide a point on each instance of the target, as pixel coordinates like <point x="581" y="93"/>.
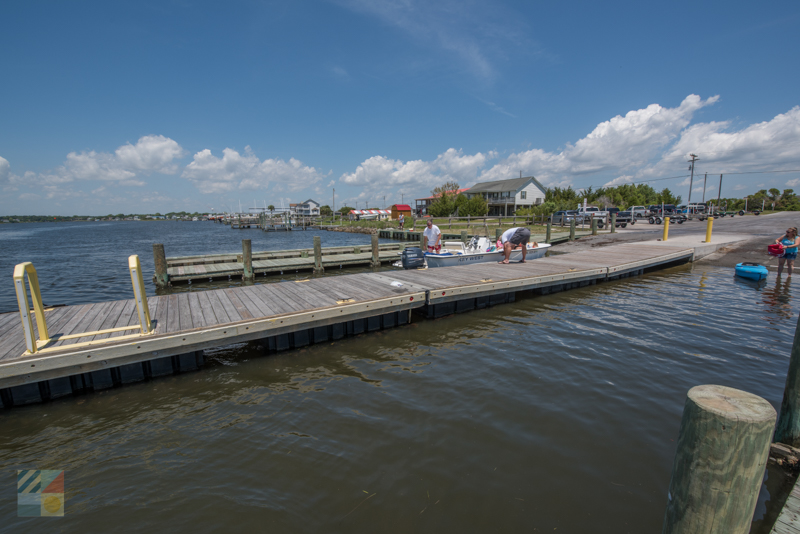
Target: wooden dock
<point x="788" y="521"/>
<point x="280" y="316"/>
<point x="216" y="266"/>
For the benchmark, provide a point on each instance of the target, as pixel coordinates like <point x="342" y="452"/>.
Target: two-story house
<point x="309" y="208"/>
<point x="505" y="196"/>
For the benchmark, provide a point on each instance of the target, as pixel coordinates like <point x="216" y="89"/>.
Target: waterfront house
<point x="309" y="208"/>
<point x="505" y="196"/>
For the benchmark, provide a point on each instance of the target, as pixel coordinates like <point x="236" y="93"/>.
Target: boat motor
<point x="413" y="258"/>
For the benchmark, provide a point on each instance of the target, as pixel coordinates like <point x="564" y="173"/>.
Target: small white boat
<point x="479" y="250"/>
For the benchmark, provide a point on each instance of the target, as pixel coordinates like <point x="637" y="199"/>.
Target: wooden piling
<point x="613" y="223"/>
<point x="549" y="228"/>
<point x="788" y="429"/>
<point x="247" y="259"/>
<point x="464" y="236"/>
<point x="376" y="259"/>
<point x="594" y="225"/>
<point x="318" y="269"/>
<point x="571" y="229"/>
<point x="723" y="446"/>
<point x="161" y="277"/>
<point x="498" y="232"/>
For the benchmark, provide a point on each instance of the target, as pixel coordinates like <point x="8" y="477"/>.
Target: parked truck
<point x="587" y="213"/>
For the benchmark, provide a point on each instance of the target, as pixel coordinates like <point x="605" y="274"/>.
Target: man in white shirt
<point x="434" y="236"/>
<point x="513" y="238"/>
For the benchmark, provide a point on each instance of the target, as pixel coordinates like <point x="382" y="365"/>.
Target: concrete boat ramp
<point x="279" y="315"/>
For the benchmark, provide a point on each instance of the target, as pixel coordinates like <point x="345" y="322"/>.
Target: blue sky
<point x="108" y="107"/>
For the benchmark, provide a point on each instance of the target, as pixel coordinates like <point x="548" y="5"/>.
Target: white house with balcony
<point x="504" y="197"/>
<point x="309" y="208"/>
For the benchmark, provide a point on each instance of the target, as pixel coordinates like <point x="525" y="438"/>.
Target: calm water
<point x="88" y="261"/>
<point x="555" y="412"/>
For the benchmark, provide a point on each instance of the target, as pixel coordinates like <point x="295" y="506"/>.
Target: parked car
<point x="564" y="216"/>
<point x="639" y="212"/>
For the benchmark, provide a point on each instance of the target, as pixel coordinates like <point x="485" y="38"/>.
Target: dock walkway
<point x="185" y="268"/>
<point x="788" y="521"/>
<point x="280" y="316"/>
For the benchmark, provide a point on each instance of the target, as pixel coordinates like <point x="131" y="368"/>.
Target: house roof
<point x="370" y="212"/>
<point x="311" y="200"/>
<point x="514" y="184"/>
<point x="456" y="191"/>
<point x="402" y="207"/>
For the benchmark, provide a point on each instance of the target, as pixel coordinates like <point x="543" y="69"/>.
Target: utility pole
<point x="719" y="193"/>
<point x="384" y="202"/>
<point x="333" y="204"/>
<point x="691" y="180"/>
<point x="704" y="188"/>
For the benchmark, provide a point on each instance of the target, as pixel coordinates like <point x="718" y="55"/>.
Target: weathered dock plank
<point x="788" y="521"/>
<point x="303" y="310"/>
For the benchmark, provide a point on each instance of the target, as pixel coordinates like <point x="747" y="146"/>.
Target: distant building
<point x="357" y="215"/>
<point x="397" y="209"/>
<point x="505" y="196"/>
<point x="309" y="208"/>
<point x="421" y="204"/>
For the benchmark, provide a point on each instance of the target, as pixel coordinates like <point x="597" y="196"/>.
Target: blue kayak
<point x="753" y="271"/>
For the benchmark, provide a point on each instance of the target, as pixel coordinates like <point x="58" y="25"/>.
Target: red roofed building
<point x="423" y="203"/>
<point x="397" y="209"/>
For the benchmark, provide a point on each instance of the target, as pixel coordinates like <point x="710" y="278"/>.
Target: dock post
<point x="788" y="430"/>
<point x="376" y="259"/>
<point x="709" y="226"/>
<point x="723" y="447"/>
<point x="594" y="225"/>
<point x="247" y="259"/>
<point x="613" y="222"/>
<point x="549" y="228"/>
<point x="318" y="269"/>
<point x="498" y="232"/>
<point x="666" y="229"/>
<point x="161" y="277"/>
<point x="572" y="230"/>
<point x="464" y="236"/>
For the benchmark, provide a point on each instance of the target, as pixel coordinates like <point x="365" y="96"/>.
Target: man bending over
<point x="513" y="238"/>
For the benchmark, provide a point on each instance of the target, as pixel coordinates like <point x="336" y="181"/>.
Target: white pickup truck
<point x="589" y="212"/>
<point x="639" y="212"/>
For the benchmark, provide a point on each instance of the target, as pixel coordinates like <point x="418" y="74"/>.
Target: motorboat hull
<point x="452" y="260"/>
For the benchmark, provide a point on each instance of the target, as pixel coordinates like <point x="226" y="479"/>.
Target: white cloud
<point x="29" y="196"/>
<point x="620" y="180"/>
<point x="380" y="172"/>
<point x="211" y="174"/>
<point x="793" y="183"/>
<point x="620" y="143"/>
<point x="768" y="145"/>
<point x="150" y="154"/>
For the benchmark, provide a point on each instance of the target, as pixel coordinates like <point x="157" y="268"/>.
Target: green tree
<point x="345" y="210"/>
<point x="442" y="206"/>
<point x="325" y="211"/>
<point x="474" y="207"/>
<point x="447" y="187"/>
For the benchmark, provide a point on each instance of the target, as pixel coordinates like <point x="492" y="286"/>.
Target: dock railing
<point x="35" y="345"/>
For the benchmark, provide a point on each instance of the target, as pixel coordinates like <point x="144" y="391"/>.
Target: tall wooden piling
<point x="549" y="229"/>
<point x="498" y="233"/>
<point x="161" y="277"/>
<point x="376" y="258"/>
<point x="318" y="269"/>
<point x="788" y="429"/>
<point x="723" y="446"/>
<point x="571" y="229"/>
<point x="594" y="225"/>
<point x="613" y="222"/>
<point x="464" y="236"/>
<point x="247" y="259"/>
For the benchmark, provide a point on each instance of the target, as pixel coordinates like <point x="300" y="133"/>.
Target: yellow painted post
<point x="139" y="293"/>
<point x="666" y="229"/>
<point x="24" y="311"/>
<point x="708" y="229"/>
